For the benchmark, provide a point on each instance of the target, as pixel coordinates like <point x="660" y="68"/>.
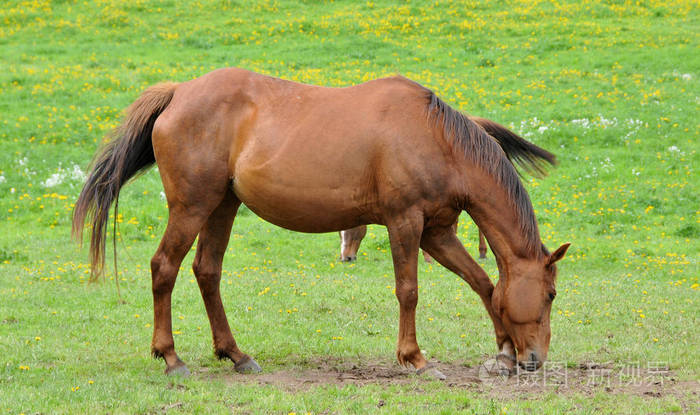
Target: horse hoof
<point x="247" y="365"/>
<point x="178" y="370"/>
<point x="432" y="371"/>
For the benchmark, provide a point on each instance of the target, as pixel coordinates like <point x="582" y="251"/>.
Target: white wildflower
<point x="583" y="122"/>
<point x="77" y="173"/>
<point x="53" y="180"/>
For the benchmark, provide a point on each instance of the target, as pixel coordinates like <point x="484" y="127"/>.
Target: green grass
<point x="610" y="87"/>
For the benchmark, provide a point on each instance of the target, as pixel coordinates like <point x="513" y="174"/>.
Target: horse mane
<point x="484" y="151"/>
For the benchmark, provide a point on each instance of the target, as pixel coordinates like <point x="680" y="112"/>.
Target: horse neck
<point x="498" y="218"/>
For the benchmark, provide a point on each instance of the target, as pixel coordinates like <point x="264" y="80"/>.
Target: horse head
<point x="350" y="242"/>
<point x="523" y="300"/>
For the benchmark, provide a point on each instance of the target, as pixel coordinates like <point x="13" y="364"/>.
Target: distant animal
<point x="316" y="159"/>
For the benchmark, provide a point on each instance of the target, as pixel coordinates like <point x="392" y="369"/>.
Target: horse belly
<point x="313" y="206"/>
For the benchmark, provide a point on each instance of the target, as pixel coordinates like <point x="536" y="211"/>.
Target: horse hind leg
<point x="190" y="205"/>
<point x="180" y="233"/>
<point x="482" y="245"/>
<point x="213" y="240"/>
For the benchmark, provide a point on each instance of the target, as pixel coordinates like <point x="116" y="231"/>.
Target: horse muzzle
<point x="532" y="361"/>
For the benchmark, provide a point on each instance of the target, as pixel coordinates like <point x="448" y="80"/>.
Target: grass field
<point x="610" y="87"/>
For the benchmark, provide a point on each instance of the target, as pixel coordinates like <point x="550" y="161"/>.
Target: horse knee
<point x="407" y="294"/>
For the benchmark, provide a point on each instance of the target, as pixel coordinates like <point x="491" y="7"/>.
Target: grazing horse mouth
<point x="532" y="364"/>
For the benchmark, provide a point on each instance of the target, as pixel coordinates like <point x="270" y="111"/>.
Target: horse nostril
<point x="533" y="357"/>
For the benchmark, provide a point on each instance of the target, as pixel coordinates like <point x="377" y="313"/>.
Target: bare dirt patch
<point x="586" y="378"/>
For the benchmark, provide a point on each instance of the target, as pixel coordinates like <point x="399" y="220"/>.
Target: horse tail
<point x="520" y="151"/>
<point x="127" y="154"/>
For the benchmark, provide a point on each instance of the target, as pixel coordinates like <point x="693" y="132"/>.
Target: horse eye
<point x="551" y="296"/>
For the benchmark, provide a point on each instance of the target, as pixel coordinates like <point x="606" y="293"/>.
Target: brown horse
<point x="315" y="159"/>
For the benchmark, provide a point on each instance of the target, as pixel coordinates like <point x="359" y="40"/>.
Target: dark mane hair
<point x="482" y="149"/>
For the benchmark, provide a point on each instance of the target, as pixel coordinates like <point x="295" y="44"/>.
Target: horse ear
<point x="558" y="254"/>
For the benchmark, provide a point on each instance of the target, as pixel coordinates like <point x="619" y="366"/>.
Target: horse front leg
<point x="404" y="237"/>
<point x="448" y="250"/>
